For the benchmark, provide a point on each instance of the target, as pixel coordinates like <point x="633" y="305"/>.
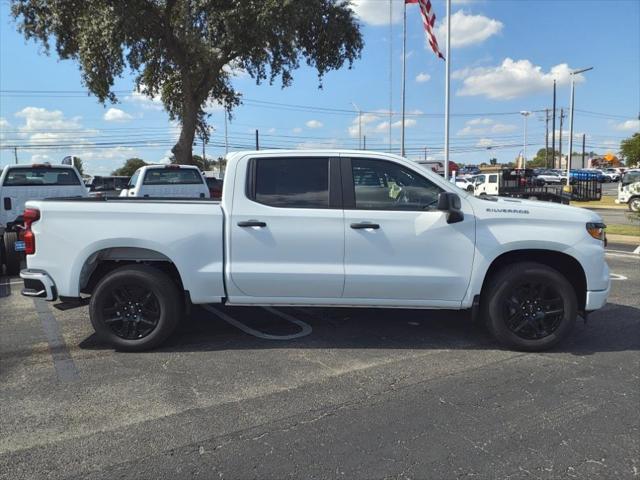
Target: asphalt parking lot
<point x="320" y="393"/>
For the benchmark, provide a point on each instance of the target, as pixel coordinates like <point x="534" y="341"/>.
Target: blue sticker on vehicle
<point x="19" y="246"/>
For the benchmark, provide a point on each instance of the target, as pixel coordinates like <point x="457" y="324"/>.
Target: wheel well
<point x="107" y="260"/>
<point x="563" y="263"/>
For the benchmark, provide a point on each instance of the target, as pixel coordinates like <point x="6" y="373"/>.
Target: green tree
<point x="77" y="162"/>
<point x="493" y="161"/>
<point x="630" y="149"/>
<point x="540" y="160"/>
<point x="129" y="167"/>
<point x="185" y="51"/>
<point x="203" y="165"/>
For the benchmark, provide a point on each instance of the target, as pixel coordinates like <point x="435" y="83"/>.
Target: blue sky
<point x="505" y="56"/>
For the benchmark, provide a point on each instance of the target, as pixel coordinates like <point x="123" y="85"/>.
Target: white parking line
<point x="623" y="255"/>
<point x="627" y="252"/>
<point x="617" y="276"/>
<point x="10" y="283"/>
<point x="637" y="250"/>
<point x="305" y="327"/>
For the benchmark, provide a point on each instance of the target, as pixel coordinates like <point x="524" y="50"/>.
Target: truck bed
<point x="80" y="231"/>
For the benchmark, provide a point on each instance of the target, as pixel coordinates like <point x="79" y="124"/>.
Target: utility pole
<point x="204" y="162"/>
<point x="583" y="138"/>
<point x="560" y="140"/>
<point x="553" y="127"/>
<point x="257" y="140"/>
<point x="425" y="154"/>
<point x="525" y="114"/>
<point x="15" y="154"/>
<point x="546" y="137"/>
<point x="364" y="142"/>
<point x="404" y="73"/>
<point x="359" y="124"/>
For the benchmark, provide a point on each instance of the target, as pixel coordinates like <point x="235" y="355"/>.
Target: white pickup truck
<point x="19" y="183"/>
<point x="168" y="181"/>
<point x="311" y="228"/>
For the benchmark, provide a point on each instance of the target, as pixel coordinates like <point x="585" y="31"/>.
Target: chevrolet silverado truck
<point x="320" y="228"/>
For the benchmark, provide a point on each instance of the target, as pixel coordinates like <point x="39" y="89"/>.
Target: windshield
<point x="630" y="177"/>
<point x="40" y="176"/>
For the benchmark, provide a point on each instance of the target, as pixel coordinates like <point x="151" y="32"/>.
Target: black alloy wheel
<point x="131" y="312"/>
<point x="533" y="310"/>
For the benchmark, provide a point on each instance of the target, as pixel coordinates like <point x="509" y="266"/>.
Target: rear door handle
<point x="252" y="223"/>
<point x="361" y="225"/>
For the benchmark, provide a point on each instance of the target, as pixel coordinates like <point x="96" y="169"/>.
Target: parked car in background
<point x="438" y="166"/>
<point x="469" y="170"/>
<point x="629" y="190"/>
<point x="583" y="173"/>
<point x="613" y="173"/>
<point x="321" y="228"/>
<point x="111" y="186"/>
<point x="486" y="184"/>
<point x="465" y="184"/>
<point x="215" y="187"/>
<point x="544" y="177"/>
<point x="20" y="183"/>
<point x="167" y="181"/>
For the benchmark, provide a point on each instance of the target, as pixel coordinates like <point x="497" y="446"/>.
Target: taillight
<point x="30" y="215"/>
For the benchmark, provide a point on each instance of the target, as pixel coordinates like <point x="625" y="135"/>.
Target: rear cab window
<point x="40" y="176"/>
<point x="172" y="176"/>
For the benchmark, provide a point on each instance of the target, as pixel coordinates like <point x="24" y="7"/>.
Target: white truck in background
<point x="20" y="183"/>
<point x="169" y="181"/>
<point x="320" y="228"/>
<point x="629" y="190"/>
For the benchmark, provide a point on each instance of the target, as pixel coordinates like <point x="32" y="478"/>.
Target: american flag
<point x="428" y="20"/>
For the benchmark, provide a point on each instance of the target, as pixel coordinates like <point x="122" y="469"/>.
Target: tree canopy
<point x="185" y="51"/>
<point x="129" y="167"/>
<point x="630" y="149"/>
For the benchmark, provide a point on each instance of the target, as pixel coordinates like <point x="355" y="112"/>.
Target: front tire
<point x="12" y="258"/>
<point x="529" y="306"/>
<point x="634" y="204"/>
<point x="135" y="308"/>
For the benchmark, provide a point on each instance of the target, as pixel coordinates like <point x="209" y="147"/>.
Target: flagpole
<point x="390" y="74"/>
<point x="447" y="93"/>
<point x="404" y="73"/>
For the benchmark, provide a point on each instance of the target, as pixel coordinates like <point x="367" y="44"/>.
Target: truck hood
<point x="518" y="208"/>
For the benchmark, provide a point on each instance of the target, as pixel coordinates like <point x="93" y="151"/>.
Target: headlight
<point x="597" y="230"/>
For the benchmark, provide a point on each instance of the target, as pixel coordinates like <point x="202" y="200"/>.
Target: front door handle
<point x="252" y="223"/>
<point x="361" y="225"/>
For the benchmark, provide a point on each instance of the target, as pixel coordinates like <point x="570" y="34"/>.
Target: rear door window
<point x="40" y="176"/>
<point x="172" y="176"/>
<point x="291" y="182"/>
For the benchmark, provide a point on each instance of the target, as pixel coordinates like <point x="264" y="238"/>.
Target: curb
<point x="624" y="239"/>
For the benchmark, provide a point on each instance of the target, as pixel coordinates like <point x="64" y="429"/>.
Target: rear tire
<point x="135" y="308"/>
<point x="634" y="204"/>
<point x="529" y="306"/>
<point x="12" y="259"/>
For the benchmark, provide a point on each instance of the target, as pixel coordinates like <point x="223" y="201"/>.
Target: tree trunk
<point x="183" y="149"/>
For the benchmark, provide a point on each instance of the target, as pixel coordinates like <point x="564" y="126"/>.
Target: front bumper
<point x="38" y="284"/>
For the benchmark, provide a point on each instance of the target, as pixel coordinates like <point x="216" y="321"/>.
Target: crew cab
<point x="171" y="181"/>
<point x="320" y="228"/>
<point x="19" y="183"/>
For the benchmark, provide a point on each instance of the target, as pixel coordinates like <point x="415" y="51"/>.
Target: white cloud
<point x="314" y="124"/>
<point x="384" y="126"/>
<point x="629" y="125"/>
<point x="511" y="79"/>
<point x="271" y="130"/>
<point x="485" y="126"/>
<point x="423" y="77"/>
<point x="148" y="103"/>
<point x="116" y="115"/>
<point x="364" y="119"/>
<point x="468" y="29"/>
<point x="485" y="143"/>
<point x="4" y="125"/>
<point x="297" y="130"/>
<point x="376" y="12"/>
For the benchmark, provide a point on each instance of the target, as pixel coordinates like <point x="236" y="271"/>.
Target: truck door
<point x="286" y="229"/>
<point x="398" y="247"/>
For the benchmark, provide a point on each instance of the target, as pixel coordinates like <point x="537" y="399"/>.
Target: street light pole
<point x="525" y="114"/>
<point x="573" y="89"/>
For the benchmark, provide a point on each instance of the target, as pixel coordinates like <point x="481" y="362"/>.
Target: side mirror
<point x="450" y="202"/>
